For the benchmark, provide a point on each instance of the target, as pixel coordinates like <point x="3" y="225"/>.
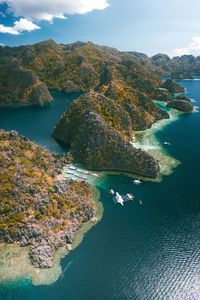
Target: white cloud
<point x="49" y="9"/>
<point x="192" y="48"/>
<point x="7" y="29"/>
<point x="25" y="25"/>
<point x="19" y="26"/>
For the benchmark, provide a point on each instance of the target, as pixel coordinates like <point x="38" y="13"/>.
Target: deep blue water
<point x="139" y="252"/>
<point x="37" y="123"/>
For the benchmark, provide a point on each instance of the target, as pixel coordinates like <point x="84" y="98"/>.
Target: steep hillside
<point x="19" y="86"/>
<point x="38" y="209"/>
<point x="99" y="131"/>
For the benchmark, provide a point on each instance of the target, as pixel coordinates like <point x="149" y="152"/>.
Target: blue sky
<point x="149" y="26"/>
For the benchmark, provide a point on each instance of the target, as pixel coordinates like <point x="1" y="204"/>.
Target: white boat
<point x="72" y="168"/>
<point x="140" y="201"/>
<point x="95" y="175"/>
<point x="137" y="182"/>
<point x="129" y="196"/>
<point x="86" y="172"/>
<point x="119" y="199"/>
<point x="167" y="143"/>
<point x="112" y="192"/>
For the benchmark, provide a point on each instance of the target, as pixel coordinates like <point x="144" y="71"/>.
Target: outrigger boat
<point x="137" y="182"/>
<point x="119" y="199"/>
<point x="129" y="197"/>
<point x="95" y="175"/>
<point x="72" y="168"/>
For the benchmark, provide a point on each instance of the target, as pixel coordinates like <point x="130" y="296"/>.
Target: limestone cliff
<point x="19" y="86"/>
<point x="38" y="209"/>
<point x="99" y="132"/>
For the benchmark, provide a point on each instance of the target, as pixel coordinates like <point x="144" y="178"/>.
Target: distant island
<point x="117" y="90"/>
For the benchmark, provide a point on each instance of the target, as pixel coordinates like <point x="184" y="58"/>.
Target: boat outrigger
<point x="112" y="192"/>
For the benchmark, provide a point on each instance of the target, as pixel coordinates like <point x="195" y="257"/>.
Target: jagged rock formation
<point x="183" y="67"/>
<point x="172" y="87"/>
<point x="38" y="208"/>
<point x="81" y="66"/>
<point x="99" y="131"/>
<point x="19" y="86"/>
<point x="162" y="94"/>
<point x="181" y="105"/>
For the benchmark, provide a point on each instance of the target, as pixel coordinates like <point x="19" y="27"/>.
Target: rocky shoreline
<point x="15" y="262"/>
<point x="38" y="208"/>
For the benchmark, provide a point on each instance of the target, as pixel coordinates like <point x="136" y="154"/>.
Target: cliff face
<point x="172" y="87"/>
<point x="172" y="93"/>
<point x="183" y="67"/>
<point x="37" y="207"/>
<point x="99" y="131"/>
<point x="19" y="86"/>
<point x="181" y="105"/>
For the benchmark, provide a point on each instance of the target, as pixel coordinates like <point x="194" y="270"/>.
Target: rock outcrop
<point x="99" y="132"/>
<point x="19" y="86"/>
<point x="38" y="209"/>
<point x="172" y="87"/>
<point x="181" y="105"/>
<point x="179" y="67"/>
<point x="162" y="94"/>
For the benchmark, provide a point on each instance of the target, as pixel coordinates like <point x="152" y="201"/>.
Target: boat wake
<point x="65" y="270"/>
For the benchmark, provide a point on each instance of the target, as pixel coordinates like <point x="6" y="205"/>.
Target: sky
<point x="149" y="26"/>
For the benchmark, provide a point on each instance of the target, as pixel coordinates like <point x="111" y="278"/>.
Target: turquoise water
<point x="138" y="252"/>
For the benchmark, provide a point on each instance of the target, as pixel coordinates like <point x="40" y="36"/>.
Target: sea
<point x="148" y="249"/>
